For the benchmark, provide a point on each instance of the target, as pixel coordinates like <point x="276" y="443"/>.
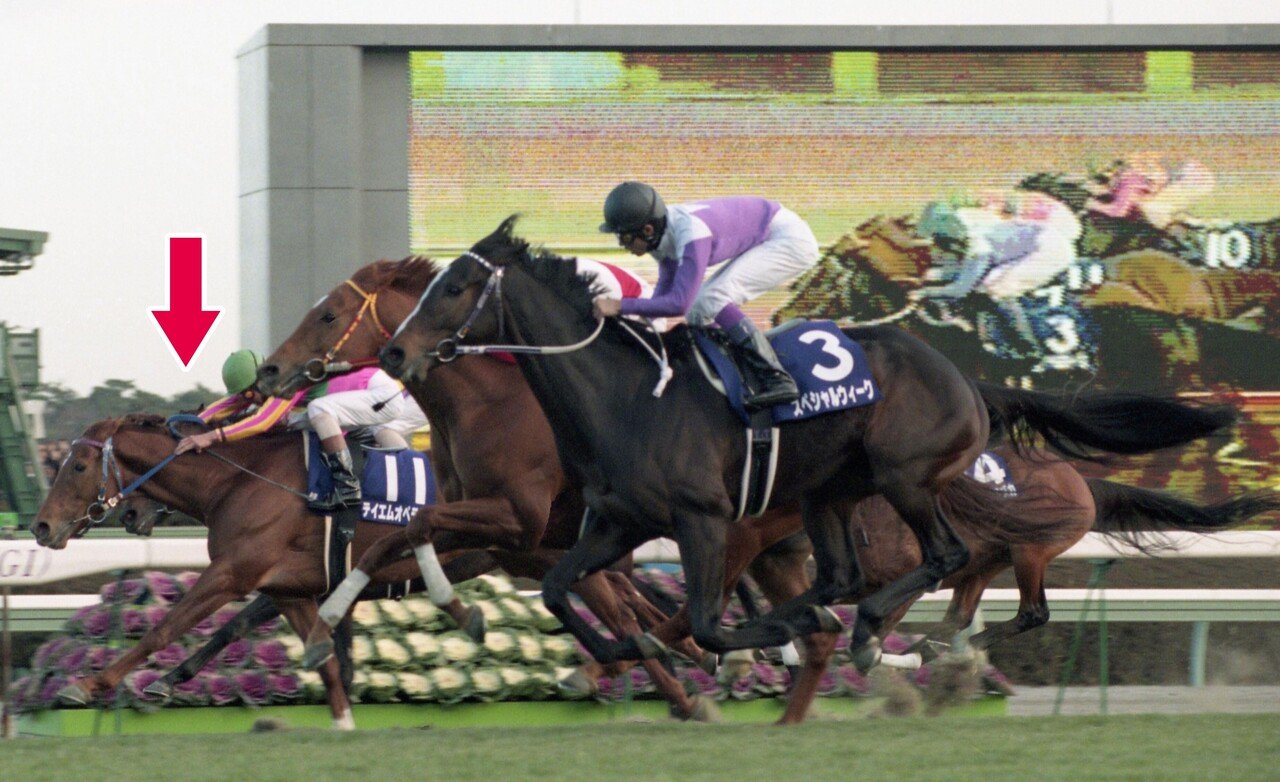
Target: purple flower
<point x="224" y="615"/>
<point x="102" y="656"/>
<point x="236" y="653"/>
<point x="922" y="677"/>
<point x="640" y="681"/>
<point x="220" y="688"/>
<point x="139" y="681"/>
<point x="133" y="588"/>
<point x="192" y="692"/>
<point x="828" y="684"/>
<point x="253" y="688"/>
<point x="163" y="587"/>
<point x="269" y="627"/>
<point x="74" y="660"/>
<point x="703" y="682"/>
<point x="18" y="693"/>
<point x="270" y="654"/>
<point x="156" y="615"/>
<point x="896" y="643"/>
<point x="769" y="680"/>
<point x="135" y="622"/>
<point x="284" y="687"/>
<point x="170" y="656"/>
<point x="98" y="623"/>
<point x="51" y="650"/>
<point x="744" y="689"/>
<point x="853" y="682"/>
<point x="48" y="694"/>
<point x="204" y="628"/>
<point x="186" y="580"/>
<point x="848" y="614"/>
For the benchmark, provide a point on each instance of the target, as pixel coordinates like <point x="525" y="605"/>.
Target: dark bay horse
<point x="495" y="460"/>
<point x="261" y="535"/>
<point x="653" y="466"/>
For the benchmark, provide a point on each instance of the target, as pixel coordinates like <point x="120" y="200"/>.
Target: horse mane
<point x="143" y="420"/>
<point x="504" y="248"/>
<point x="412" y="273"/>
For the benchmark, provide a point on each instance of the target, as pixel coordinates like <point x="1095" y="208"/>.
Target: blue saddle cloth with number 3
<point x="830" y="369"/>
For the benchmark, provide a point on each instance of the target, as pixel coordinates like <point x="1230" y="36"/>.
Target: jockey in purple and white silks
<point x="761" y="245"/>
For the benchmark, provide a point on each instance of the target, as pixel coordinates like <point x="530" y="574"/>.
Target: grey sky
<point x="119" y="129"/>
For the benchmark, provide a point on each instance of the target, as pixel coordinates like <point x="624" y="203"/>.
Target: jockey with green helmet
<point x="366" y="398"/>
<point x="761" y="245"/>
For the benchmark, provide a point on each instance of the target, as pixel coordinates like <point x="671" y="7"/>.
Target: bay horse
<point x="249" y="494"/>
<point x="667" y="465"/>
<point x="496" y="466"/>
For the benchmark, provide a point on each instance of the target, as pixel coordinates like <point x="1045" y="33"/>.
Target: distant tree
<point x="67" y="414"/>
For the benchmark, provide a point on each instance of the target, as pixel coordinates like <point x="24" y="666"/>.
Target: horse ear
<point x="507" y="227"/>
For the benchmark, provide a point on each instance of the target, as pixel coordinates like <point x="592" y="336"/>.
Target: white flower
<point x="366" y="615"/>
<point x="424" y="645"/>
<point x="457" y="649"/>
<point x="395" y="611"/>
<point x="559" y="648"/>
<point x="449" y="683"/>
<point x="382" y="685"/>
<point x="423" y="610"/>
<point x="416" y="686"/>
<point x="359" y="680"/>
<point x="293" y="647"/>
<point x="495" y="585"/>
<point x="492" y="614"/>
<point x="499" y="644"/>
<point x="513" y="677"/>
<point x="486" y="681"/>
<point x="312" y="684"/>
<point x="515" y="609"/>
<point x="530" y="649"/>
<point x="543" y="619"/>
<point x="361" y="649"/>
<point x="563" y="673"/>
<point x="391" y="652"/>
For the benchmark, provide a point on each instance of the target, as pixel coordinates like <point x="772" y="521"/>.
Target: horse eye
<point x="453" y="290"/>
<point x="328" y="317"/>
<point x="80" y="467"/>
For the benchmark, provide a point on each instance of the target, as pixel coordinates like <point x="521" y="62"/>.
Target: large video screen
<point x="1044" y="218"/>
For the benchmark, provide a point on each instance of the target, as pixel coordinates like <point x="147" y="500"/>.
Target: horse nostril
<point x="392" y="356"/>
<point x="268" y="371"/>
<point x="40" y="529"/>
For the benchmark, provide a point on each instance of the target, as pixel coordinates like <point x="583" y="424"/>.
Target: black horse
<point x="670" y="465"/>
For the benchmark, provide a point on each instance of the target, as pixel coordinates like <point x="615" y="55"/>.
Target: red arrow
<point x="186" y="322"/>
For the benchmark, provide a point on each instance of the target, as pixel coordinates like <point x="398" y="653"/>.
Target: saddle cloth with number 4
<point x="830" y="369"/>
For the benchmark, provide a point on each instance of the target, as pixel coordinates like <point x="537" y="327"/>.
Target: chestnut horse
<point x="249" y="494"/>
<point x="493" y="454"/>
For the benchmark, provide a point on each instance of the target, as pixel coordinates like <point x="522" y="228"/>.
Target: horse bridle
<point x="450" y="348"/>
<point x="317" y="369"/>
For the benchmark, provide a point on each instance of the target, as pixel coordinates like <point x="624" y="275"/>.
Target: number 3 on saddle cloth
<point x="393" y="485"/>
<point x="830" y="369"/>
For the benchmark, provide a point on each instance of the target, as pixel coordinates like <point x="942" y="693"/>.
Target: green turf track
<point x="1196" y="747"/>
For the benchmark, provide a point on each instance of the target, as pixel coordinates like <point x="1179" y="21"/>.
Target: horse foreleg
<point x="649" y="615"/>
<point x="216" y="587"/>
<point x="301" y="615"/>
<point x="262" y="609"/>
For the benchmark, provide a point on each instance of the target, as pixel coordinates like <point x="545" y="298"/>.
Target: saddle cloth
<point x="394" y="484"/>
<point x="992" y="470"/>
<point x="830" y="369"/>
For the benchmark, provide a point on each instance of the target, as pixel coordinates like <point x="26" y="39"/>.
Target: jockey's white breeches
<point x="382" y="405"/>
<point x="788" y="251"/>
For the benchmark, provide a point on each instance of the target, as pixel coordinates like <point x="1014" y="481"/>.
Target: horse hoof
<point x="475" y="625"/>
<point x="650" y="648"/>
<point x="867" y="656"/>
<point x="828" y="622"/>
<point x="578" y="685"/>
<point x="704" y="710"/>
<point x="317" y="654"/>
<point x="159" y="689"/>
<point x="74" y="695"/>
<point x="709" y="663"/>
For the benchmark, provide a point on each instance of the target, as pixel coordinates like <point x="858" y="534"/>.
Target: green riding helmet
<point x="240" y="370"/>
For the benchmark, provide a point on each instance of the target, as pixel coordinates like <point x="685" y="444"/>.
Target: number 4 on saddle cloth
<point x="830" y="370"/>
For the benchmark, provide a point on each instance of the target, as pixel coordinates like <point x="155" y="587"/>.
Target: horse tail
<point x="1036" y="516"/>
<point x="1079" y="425"/>
<point x="1140" y="516"/>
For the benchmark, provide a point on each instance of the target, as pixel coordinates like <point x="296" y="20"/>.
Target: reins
<point x="317" y="369"/>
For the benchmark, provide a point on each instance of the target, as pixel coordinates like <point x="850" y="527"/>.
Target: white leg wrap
<point x="907" y="662"/>
<point x="345" y="722"/>
<point x="790" y="654"/>
<point x="438" y="587"/>
<point x="339" y="603"/>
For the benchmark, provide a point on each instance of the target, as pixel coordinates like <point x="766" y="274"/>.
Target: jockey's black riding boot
<point x="346" y="486"/>
<point x="768" y="383"/>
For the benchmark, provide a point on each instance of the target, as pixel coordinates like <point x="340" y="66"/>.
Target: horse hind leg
<point x="260" y="610"/>
<point x="301" y="614"/>
<point x="1029" y="564"/>
<point x="942" y="552"/>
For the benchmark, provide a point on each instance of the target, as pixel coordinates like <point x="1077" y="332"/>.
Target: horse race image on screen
<point x="1043" y="218"/>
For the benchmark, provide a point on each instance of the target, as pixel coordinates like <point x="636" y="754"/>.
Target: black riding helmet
<point x="630" y="206"/>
